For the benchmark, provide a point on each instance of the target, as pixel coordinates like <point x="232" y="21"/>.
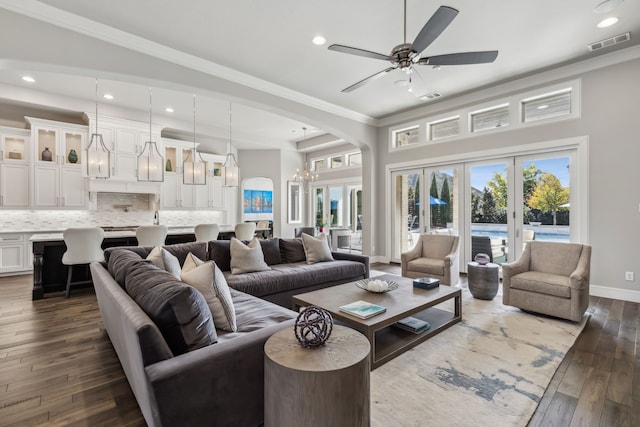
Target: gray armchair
<point x="550" y="278"/>
<point x="434" y="256"/>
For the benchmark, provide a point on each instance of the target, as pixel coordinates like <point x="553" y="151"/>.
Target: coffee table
<point x="388" y="341"/>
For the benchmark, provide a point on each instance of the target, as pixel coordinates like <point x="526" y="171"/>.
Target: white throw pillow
<point x="162" y="258"/>
<point x="207" y="278"/>
<point x="316" y="249"/>
<point x="247" y="258"/>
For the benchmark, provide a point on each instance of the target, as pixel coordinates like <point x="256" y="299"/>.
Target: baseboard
<point x="614" y="293"/>
<point x="379" y="258"/>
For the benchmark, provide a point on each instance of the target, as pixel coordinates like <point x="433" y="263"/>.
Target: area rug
<point x="491" y="369"/>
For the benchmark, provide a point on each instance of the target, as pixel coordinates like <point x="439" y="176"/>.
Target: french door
<point x="337" y="206"/>
<point x="495" y="205"/>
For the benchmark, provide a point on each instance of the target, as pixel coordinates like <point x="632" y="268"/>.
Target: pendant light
<point x="150" y="161"/>
<point x="305" y="177"/>
<point x="98" y="155"/>
<point x="231" y="174"/>
<point x="194" y="168"/>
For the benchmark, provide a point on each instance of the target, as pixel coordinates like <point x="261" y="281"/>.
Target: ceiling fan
<point x="405" y="55"/>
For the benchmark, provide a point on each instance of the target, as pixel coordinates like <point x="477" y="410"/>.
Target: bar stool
<point x="151" y="235"/>
<point x="206" y="232"/>
<point x="245" y="230"/>
<point x="83" y="247"/>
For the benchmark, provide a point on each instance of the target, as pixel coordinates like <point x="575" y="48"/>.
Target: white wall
<point x="609" y="119"/>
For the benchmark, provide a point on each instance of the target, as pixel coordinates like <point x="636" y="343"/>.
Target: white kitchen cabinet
<point x="211" y="196"/>
<point x="14" y="168"/>
<point x="14" y="185"/>
<point x="175" y="194"/>
<point x="58" y="159"/>
<point x="12" y="253"/>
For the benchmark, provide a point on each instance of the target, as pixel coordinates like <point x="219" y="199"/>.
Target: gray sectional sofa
<point x="181" y="369"/>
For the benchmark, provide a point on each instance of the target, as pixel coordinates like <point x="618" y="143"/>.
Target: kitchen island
<point x="50" y="275"/>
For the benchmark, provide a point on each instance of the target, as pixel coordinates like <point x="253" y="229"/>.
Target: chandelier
<point x="305" y="177"/>
<point x="98" y="155"/>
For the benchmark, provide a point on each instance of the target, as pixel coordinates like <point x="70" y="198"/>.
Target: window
<point x="546" y="106"/>
<point x="335" y="162"/>
<point x="319" y="164"/>
<point x="354" y="159"/>
<point x="444" y="128"/>
<point x="492" y="118"/>
<point x="407" y="136"/>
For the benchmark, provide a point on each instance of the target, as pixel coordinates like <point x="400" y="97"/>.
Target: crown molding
<point x="69" y="21"/>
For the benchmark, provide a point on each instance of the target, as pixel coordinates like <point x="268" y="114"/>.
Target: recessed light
<point x="319" y="40"/>
<point x="542" y="107"/>
<point x="169" y="110"/>
<point x="107" y="96"/>
<point x="401" y="83"/>
<point x="607" y="22"/>
<point x="28" y="79"/>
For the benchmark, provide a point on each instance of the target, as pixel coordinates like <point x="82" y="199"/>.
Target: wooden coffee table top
<point x="388" y="341"/>
<point x="400" y="303"/>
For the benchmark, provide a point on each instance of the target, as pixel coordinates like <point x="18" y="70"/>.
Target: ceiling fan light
<point x="319" y="40"/>
<point x="607" y="6"/>
<point x="607" y="22"/>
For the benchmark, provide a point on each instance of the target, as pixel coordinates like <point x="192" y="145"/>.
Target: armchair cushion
<point x="436" y="246"/>
<point x="542" y="283"/>
<point x="427" y="266"/>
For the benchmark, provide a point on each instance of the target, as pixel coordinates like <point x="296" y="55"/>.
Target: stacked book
<point x="413" y="324"/>
<point x="363" y="309"/>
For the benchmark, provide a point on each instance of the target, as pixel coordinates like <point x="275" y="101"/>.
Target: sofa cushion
<point x="209" y="280"/>
<point x="254" y="313"/>
<point x="162" y="258"/>
<point x="247" y="258"/>
<point x="543" y="283"/>
<point x="427" y="266"/>
<point x="120" y="261"/>
<point x="178" y="310"/>
<point x="271" y="251"/>
<point x="286" y="277"/>
<point x="316" y="249"/>
<point x="292" y="250"/>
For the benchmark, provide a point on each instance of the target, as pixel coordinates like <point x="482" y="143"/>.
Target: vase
<point x="46" y="155"/>
<point x="73" y="156"/>
<point x="168" y="167"/>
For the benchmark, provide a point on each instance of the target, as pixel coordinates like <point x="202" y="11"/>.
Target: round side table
<point x="327" y="386"/>
<point x="483" y="280"/>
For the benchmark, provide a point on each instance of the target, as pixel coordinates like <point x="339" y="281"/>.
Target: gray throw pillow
<point x="316" y="249"/>
<point x="178" y="310"/>
<point x="247" y="258"/>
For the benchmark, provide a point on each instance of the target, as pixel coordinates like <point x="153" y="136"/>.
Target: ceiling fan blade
<point x="359" y="52"/>
<point x="367" y="80"/>
<point x="434" y="27"/>
<point x="461" y="58"/>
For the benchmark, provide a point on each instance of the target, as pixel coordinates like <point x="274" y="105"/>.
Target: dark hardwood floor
<point x="57" y="366"/>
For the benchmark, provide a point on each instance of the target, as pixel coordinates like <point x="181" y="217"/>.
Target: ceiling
<point x="267" y="44"/>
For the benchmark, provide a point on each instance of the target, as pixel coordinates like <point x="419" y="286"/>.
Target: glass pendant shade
<point x="150" y="163"/>
<point x="194" y="168"/>
<point x="231" y="171"/>
<point x="98" y="155"/>
<point x="98" y="158"/>
<point x="195" y="172"/>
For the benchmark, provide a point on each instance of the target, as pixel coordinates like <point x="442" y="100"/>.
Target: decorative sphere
<point x="313" y="327"/>
<point x="482" y="259"/>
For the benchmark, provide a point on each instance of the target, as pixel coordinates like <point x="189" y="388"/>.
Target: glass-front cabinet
<point x="14" y="168"/>
<point x="58" y="156"/>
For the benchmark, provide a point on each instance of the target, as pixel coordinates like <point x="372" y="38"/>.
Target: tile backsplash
<point x="107" y="215"/>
